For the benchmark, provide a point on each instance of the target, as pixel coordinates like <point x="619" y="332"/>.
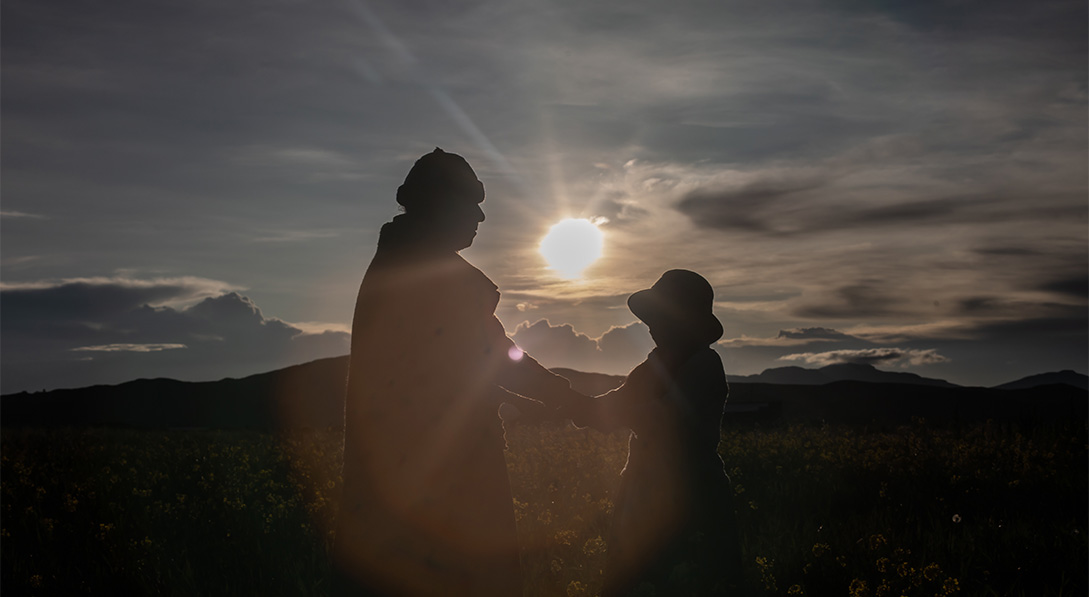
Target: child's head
<point x="678" y="309"/>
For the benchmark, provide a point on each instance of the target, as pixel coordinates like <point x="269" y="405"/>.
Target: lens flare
<point x="571" y="245"/>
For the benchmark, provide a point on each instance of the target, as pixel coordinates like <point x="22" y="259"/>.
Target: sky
<point x="194" y="189"/>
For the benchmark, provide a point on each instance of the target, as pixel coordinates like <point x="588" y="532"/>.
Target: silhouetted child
<point x="673" y="529"/>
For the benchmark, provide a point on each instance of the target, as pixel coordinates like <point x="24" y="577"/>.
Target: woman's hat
<point x="438" y="178"/>
<point x="681" y="300"/>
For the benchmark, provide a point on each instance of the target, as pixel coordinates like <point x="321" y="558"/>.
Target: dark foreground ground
<point x="986" y="509"/>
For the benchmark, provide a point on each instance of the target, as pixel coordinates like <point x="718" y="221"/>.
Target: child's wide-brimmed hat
<point x="680" y="300"/>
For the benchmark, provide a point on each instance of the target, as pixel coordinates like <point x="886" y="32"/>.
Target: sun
<point x="571" y="245"/>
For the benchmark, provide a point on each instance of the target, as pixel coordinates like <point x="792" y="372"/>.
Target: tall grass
<point x="987" y="510"/>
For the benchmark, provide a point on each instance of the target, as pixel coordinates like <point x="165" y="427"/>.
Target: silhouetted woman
<point x="673" y="529"/>
<point x="427" y="506"/>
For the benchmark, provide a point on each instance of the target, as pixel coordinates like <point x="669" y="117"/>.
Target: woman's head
<point x="437" y="180"/>
<point x="442" y="190"/>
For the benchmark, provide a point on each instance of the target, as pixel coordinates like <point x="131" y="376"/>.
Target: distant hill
<point x="307" y="395"/>
<point x="312" y="395"/>
<point x="838" y="372"/>
<point x="1068" y="377"/>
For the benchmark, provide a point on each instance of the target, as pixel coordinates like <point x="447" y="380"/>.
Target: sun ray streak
<point x="445" y="102"/>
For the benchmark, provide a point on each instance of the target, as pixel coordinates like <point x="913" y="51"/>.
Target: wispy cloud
<point x="870" y="356"/>
<point x="108" y="292"/>
<point x="21" y="214"/>
<point x="292" y="236"/>
<point x="792" y="337"/>
<point x="128" y="348"/>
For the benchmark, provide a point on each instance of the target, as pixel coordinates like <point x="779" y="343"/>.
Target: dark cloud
<point x="1062" y="329"/>
<point x="863" y="299"/>
<point x="750" y="208"/>
<point x="781" y="208"/>
<point x="1050" y="22"/>
<point x="75" y="334"/>
<point x="994" y="308"/>
<point x="1077" y="286"/>
<point x="1008" y="251"/>
<point x="814" y="334"/>
<point x="85" y="301"/>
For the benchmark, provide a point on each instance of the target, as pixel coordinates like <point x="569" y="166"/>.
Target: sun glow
<point x="571" y="245"/>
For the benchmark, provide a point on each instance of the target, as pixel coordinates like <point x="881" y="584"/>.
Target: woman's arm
<point x="521" y="374"/>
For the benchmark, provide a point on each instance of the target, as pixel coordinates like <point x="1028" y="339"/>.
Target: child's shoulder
<point x="705" y="366"/>
<point x="706" y="357"/>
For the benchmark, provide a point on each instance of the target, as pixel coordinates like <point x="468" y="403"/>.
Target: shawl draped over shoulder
<point x="427" y="505"/>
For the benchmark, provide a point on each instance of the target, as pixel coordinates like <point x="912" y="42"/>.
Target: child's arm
<point x="623" y="408"/>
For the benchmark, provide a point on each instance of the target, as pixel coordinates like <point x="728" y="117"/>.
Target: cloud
<point x="800" y="207"/>
<point x="128" y="348"/>
<point x="869" y="356"/>
<point x="861" y="299"/>
<point x="615" y="352"/>
<point x="109" y="330"/>
<point x="791" y="337"/>
<point x="813" y="334"/>
<point x="553" y="344"/>
<point x="90" y="295"/>
<point x="291" y="236"/>
<point x="752" y="207"/>
<point x="20" y="214"/>
<point x="1076" y="286"/>
<point x="891" y="333"/>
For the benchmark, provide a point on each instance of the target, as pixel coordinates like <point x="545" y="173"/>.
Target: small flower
<point x="575" y="588"/>
<point x="883" y="564"/>
<point x="565" y="537"/>
<point x="594" y="546"/>
<point x="956" y="518"/>
<point x="859" y="588"/>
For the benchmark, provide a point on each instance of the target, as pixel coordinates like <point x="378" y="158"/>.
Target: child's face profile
<point x="672" y="336"/>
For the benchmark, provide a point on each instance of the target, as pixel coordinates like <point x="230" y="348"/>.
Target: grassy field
<point x="986" y="510"/>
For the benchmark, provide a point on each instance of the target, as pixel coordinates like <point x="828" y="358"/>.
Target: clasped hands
<point x="561" y="407"/>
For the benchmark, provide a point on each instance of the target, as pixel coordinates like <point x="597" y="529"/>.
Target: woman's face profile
<point x="457" y="222"/>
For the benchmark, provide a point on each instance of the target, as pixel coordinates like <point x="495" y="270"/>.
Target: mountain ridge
<point x="1066" y="376"/>
<point x="311" y="395"/>
<point x="794" y="375"/>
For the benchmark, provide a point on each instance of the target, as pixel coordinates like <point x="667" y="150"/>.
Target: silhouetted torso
<point x="673" y="521"/>
<point x="427" y="506"/>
